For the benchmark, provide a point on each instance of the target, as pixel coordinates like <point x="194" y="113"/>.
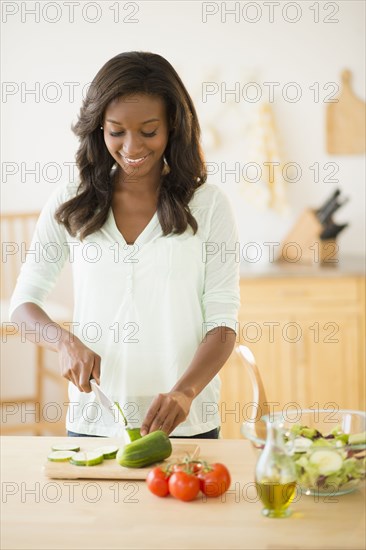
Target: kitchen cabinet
<point x="307" y="333"/>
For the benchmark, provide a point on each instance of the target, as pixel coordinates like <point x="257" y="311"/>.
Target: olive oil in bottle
<point x="276" y="497"/>
<point x="275" y="473"/>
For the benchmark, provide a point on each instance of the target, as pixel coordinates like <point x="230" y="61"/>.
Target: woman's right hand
<point x="78" y="363"/>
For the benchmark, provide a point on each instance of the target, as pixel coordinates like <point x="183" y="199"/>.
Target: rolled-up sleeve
<point x="221" y="254"/>
<point x="45" y="256"/>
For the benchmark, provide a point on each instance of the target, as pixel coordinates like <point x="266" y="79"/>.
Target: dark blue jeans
<point x="74" y="434"/>
<point x="212" y="434"/>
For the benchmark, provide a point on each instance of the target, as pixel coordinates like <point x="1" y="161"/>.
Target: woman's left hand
<point x="166" y="411"/>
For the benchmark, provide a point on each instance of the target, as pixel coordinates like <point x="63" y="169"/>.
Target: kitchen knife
<point x="322" y="211"/>
<point x="332" y="208"/>
<point x="104" y="400"/>
<point x="129" y="433"/>
<point x="332" y="231"/>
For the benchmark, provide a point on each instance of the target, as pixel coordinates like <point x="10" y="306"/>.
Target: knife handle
<point x="332" y="231"/>
<point x="321" y="212"/>
<point x="333" y="208"/>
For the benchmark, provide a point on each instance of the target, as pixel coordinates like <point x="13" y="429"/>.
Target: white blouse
<point x="144" y="308"/>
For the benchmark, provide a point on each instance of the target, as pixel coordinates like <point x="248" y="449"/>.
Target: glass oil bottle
<point x="275" y="474"/>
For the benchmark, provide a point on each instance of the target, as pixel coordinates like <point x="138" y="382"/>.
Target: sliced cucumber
<point x="310" y="433"/>
<point x="301" y="444"/>
<point x="108" y="451"/>
<point x="66" y="447"/>
<point x="327" y="462"/>
<point x="357" y="439"/>
<point x="133" y="433"/>
<point x="91" y="458"/>
<point x="61" y="456"/>
<point x="341" y="438"/>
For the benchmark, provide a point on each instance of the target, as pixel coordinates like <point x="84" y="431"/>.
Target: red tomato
<point x="179" y="467"/>
<point x="196" y="467"/>
<point x="216" y="481"/>
<point x="189" y="468"/>
<point x="184" y="486"/>
<point x="157" y="481"/>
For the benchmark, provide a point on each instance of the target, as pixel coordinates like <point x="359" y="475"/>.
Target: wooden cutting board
<point x="346" y="132"/>
<point x="110" y="469"/>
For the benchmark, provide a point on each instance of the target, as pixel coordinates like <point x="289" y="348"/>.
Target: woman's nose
<point x="132" y="145"/>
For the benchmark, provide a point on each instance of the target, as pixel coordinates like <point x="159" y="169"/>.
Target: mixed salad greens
<point x="332" y="462"/>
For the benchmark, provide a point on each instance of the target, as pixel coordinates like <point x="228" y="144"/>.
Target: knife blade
<point x="128" y="432"/>
<point x="103" y="399"/>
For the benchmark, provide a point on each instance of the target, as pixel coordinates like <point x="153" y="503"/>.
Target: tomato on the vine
<point x="158" y="482"/>
<point x="189" y="467"/>
<point x="184" y="480"/>
<point x="184" y="486"/>
<point x="215" y="480"/>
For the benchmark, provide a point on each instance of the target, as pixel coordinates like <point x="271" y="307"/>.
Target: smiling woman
<point x="140" y="86"/>
<point x="156" y="310"/>
<point x="136" y="135"/>
<point x="137" y="139"/>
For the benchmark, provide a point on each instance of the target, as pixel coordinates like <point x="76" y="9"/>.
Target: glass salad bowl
<point x="328" y="447"/>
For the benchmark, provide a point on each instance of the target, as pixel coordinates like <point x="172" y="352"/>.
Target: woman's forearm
<point x="36" y="326"/>
<point x="210" y="357"/>
<point x="77" y="362"/>
<point x="168" y="410"/>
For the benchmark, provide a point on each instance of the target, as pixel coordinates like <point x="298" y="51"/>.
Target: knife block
<point x="303" y="245"/>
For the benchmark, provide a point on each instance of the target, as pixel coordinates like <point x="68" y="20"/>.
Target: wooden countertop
<point x="40" y="513"/>
<point x="342" y="267"/>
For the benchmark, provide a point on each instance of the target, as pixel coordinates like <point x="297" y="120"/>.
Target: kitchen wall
<point x="211" y="51"/>
<point x="51" y="51"/>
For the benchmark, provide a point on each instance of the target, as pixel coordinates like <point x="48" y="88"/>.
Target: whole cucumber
<point x="150" y="448"/>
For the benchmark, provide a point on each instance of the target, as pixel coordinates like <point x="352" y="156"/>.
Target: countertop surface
<point x="40" y="513"/>
<point x="341" y="267"/>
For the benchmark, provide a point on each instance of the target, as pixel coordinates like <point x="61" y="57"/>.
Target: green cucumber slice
<point x="91" y="458"/>
<point x="357" y="439"/>
<point x="133" y="433"/>
<point x="61" y="456"/>
<point x="302" y="444"/>
<point x="66" y="447"/>
<point x="327" y="462"/>
<point x="108" y="451"/>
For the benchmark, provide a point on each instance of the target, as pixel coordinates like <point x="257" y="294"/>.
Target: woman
<point x="156" y="282"/>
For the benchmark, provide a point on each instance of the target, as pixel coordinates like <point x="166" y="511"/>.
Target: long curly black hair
<point x="124" y="75"/>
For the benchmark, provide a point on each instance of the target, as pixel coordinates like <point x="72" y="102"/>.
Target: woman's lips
<point x="134" y="162"/>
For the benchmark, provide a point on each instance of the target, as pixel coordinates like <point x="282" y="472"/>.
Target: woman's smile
<point x="134" y="161"/>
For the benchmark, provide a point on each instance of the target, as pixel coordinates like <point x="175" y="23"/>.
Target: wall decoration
<point x="346" y="121"/>
<point x="266" y="158"/>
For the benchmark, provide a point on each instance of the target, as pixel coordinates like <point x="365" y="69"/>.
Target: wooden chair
<point x="16" y="234"/>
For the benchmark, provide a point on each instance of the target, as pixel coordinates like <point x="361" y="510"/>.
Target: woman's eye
<point x="119" y="134"/>
<point x="115" y="134"/>
<point x="151" y="134"/>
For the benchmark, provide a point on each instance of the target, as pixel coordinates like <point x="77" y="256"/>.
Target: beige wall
<point x="308" y="53"/>
<point x="36" y="128"/>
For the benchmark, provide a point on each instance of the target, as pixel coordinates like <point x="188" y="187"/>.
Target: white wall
<point x="36" y="129"/>
<point x="305" y="52"/>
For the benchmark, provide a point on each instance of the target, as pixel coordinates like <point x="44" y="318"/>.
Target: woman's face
<point x="136" y="134"/>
